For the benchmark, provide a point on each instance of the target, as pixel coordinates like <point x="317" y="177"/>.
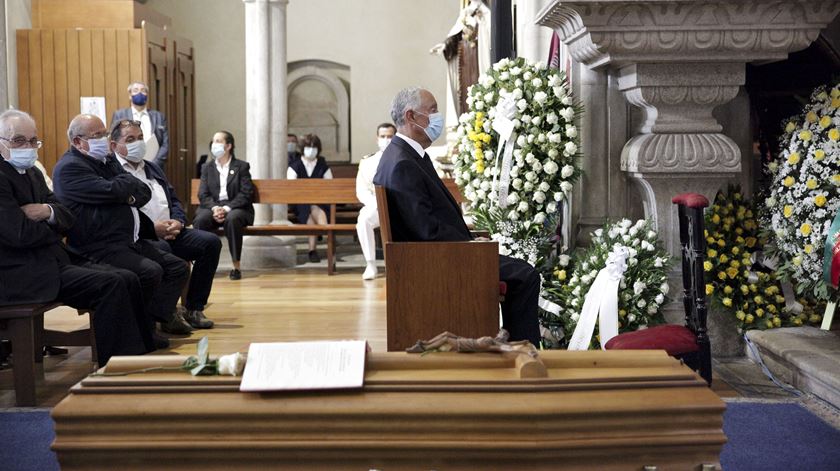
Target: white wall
<point x="384" y="42"/>
<point x="18" y="16"/>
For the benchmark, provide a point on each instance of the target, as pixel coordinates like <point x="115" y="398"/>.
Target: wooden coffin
<point x="605" y="410"/>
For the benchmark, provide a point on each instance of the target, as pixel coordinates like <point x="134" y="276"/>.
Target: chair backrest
<point x="384" y="217"/>
<point x="693" y="244"/>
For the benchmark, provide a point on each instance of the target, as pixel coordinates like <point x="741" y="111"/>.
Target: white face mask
<point x="136" y="151"/>
<point x="23" y="159"/>
<point x="383" y="142"/>
<point x="310" y="152"/>
<point x="217" y="149"/>
<point x="98" y="148"/>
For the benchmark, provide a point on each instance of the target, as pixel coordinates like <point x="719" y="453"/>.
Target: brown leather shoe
<point x="177" y="325"/>
<point x="197" y="320"/>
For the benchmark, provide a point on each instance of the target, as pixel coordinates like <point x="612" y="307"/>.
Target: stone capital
<point x="619" y="32"/>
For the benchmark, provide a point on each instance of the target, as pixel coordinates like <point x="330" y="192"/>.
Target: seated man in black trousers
<point x="422" y="209"/>
<point x="110" y="229"/>
<point x="165" y="210"/>
<point x="34" y="265"/>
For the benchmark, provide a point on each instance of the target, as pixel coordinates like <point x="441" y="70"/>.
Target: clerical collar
<point x="414" y="144"/>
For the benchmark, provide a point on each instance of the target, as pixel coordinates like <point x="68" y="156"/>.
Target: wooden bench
<point x="313" y="191"/>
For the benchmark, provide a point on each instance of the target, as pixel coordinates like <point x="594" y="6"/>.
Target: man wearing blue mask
<point x="34" y="265"/>
<point x="110" y="228"/>
<point x="422" y="209"/>
<point x="152" y="123"/>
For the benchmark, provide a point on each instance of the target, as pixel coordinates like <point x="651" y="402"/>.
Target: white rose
<point x="537" y="83"/>
<point x="553" y="153"/>
<point x="517" y="94"/>
<point x="527" y="75"/>
<point x="517" y="184"/>
<point x="537" y="166"/>
<point x="567" y="113"/>
<point x="536" y="120"/>
<point x="540" y="97"/>
<point x="559" y="92"/>
<point x="567" y="171"/>
<point x="570" y="148"/>
<point x="479" y="105"/>
<point x="659" y="299"/>
<point x="544" y="186"/>
<point x="564" y="260"/>
<point x="639" y="287"/>
<point x="513" y="215"/>
<point x="664" y="288"/>
<point x="504" y="76"/>
<point x="555" y="137"/>
<point x="550" y="167"/>
<point x="515" y="71"/>
<point x="528" y="186"/>
<point x="485" y="185"/>
<point x="551" y="118"/>
<point x="523" y="206"/>
<point x="529" y="158"/>
<point x="652" y="309"/>
<point x="657" y="263"/>
<point x="551" y="207"/>
<point x="539" y="218"/>
<point x="566" y="100"/>
<point x="517" y="83"/>
<point x="522" y="104"/>
<point x="513" y="197"/>
<point x="571" y="131"/>
<point x="231" y="365"/>
<point x="566" y="186"/>
<point x="520" y="141"/>
<point x="539" y="197"/>
<point x="641" y="303"/>
<point x="650" y="235"/>
<point x="530" y="176"/>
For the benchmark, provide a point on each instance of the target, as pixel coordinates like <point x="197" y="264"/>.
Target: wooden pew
<point x="20" y="324"/>
<point x="313" y="191"/>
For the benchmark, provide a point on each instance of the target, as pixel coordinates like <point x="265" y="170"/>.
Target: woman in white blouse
<point x="310" y="165"/>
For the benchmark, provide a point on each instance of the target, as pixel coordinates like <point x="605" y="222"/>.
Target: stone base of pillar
<point x="269" y="252"/>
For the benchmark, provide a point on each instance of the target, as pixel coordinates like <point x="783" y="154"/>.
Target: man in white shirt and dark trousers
<point x="152" y="123"/>
<point x="169" y="218"/>
<point x="369" y="216"/>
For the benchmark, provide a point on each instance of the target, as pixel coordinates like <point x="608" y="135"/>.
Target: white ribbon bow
<point x="504" y="112"/>
<point x="601" y="303"/>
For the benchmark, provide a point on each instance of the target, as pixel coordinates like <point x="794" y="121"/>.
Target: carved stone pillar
<point x="678" y="60"/>
<point x="279" y="100"/>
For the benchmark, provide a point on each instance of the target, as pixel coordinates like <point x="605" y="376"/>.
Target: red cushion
<point x="691" y="200"/>
<point x="502" y="288"/>
<point x="674" y="339"/>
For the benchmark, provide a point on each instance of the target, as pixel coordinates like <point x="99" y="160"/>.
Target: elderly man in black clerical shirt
<point x="34" y="265"/>
<point x="170" y="219"/>
<point x="422" y="209"/>
<point x="109" y="227"/>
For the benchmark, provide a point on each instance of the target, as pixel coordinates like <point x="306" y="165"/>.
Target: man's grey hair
<point x="136" y="83"/>
<point x="77" y="126"/>
<point x="406" y="99"/>
<point x="7" y="115"/>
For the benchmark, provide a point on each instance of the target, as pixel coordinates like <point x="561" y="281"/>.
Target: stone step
<point x="805" y="357"/>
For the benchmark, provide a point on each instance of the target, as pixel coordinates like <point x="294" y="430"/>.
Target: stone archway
<point x="319" y="103"/>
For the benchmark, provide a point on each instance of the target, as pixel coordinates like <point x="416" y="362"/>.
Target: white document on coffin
<point x="289" y="366"/>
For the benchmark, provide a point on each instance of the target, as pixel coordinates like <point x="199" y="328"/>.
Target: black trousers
<point x="203" y="249"/>
<point x="235" y="221"/>
<point x="162" y="275"/>
<point x="519" y="310"/>
<point x="116" y="296"/>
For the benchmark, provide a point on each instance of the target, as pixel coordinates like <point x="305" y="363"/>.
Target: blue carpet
<point x="769" y="437"/>
<point x="25" y="439"/>
<point x="762" y="437"/>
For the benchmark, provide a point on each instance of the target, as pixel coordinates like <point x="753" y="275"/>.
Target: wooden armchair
<point x="690" y="342"/>
<point x="434" y="287"/>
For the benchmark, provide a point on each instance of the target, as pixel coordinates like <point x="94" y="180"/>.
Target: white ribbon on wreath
<point x="505" y="111"/>
<point x="601" y="302"/>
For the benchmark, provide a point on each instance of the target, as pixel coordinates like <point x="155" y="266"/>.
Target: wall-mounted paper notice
<point x="304" y="365"/>
<point x="94" y="105"/>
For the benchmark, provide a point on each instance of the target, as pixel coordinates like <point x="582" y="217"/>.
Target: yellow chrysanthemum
<point x="835" y="92"/>
<point x="825" y="122"/>
<point x="835" y="103"/>
<point x="716" y="219"/>
<point x="805" y="135"/>
<point x="796" y="261"/>
<point x="727" y="289"/>
<point x="793" y="158"/>
<point x="735" y="250"/>
<point x="750" y="242"/>
<point x="759" y="312"/>
<point x="723" y="258"/>
<point x="709" y="289"/>
<point x="835" y="179"/>
<point x="811" y="183"/>
<point x="811" y="117"/>
<point x="721" y="275"/>
<point x="790" y="127"/>
<point x="777" y="322"/>
<point x="749" y="319"/>
<point x="745" y="289"/>
<point x="740" y="315"/>
<point x="788" y="211"/>
<point x="727" y="302"/>
<point x="561" y="275"/>
<point x="808" y="248"/>
<point x="788" y="181"/>
<point x="732" y="272"/>
<point x="711" y="253"/>
<point x="707" y="266"/>
<point x="834" y="134"/>
<point x="805" y="229"/>
<point x="819" y="200"/>
<point x="819" y="154"/>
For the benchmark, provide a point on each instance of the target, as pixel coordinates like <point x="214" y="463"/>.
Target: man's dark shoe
<point x="235" y="274"/>
<point x="197" y="320"/>
<point x="177" y="325"/>
<point x="160" y="342"/>
<point x="313" y="256"/>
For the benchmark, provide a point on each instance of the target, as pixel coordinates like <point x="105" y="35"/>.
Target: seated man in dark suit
<point x="422" y="209"/>
<point x="34" y="266"/>
<point x="165" y="210"/>
<point x="109" y="227"/>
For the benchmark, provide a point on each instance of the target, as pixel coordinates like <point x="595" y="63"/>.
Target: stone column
<point x="258" y="95"/>
<point x="532" y="40"/>
<point x="279" y="100"/>
<point x="4" y="58"/>
<point x="678" y="60"/>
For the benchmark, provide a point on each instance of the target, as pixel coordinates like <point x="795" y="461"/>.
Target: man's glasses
<point x="20" y="141"/>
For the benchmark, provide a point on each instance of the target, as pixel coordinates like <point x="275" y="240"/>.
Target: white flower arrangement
<point x="643" y="290"/>
<point x="537" y="101"/>
<point x="805" y="191"/>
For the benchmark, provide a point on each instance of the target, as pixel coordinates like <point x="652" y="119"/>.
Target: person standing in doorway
<point x="152" y="123"/>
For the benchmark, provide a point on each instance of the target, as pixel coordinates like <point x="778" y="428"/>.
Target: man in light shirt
<point x="368" y="216"/>
<point x="169" y="218"/>
<point x="152" y="123"/>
